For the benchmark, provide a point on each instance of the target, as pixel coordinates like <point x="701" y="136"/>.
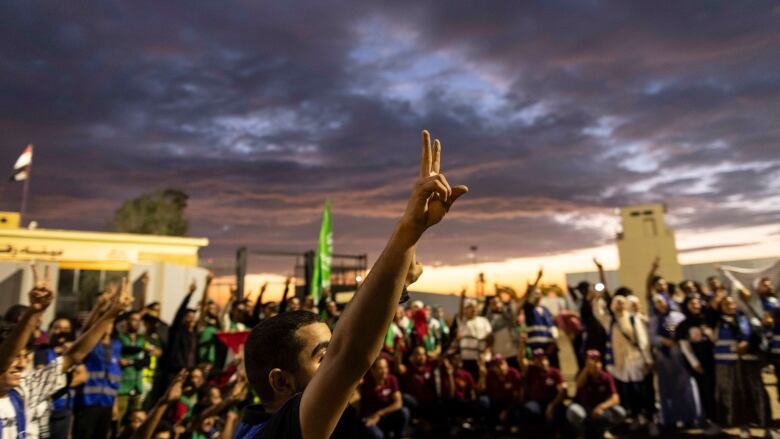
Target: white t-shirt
<point x="36" y="388"/>
<point x="473" y="337"/>
<point x="7" y="418"/>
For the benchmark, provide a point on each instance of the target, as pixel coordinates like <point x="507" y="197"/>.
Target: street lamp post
<point x="473" y="255"/>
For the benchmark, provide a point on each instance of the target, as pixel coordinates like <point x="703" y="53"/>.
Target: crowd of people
<point x="495" y="363"/>
<point x="693" y="359"/>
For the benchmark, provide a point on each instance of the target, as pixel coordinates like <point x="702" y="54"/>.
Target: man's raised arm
<point x="178" y="320"/>
<point x="651" y="277"/>
<point x="283" y="302"/>
<point x="41" y="296"/>
<point x="92" y="336"/>
<point x="358" y="337"/>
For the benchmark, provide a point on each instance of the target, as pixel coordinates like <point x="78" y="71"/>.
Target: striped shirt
<point x="36" y="388"/>
<point x="473" y="337"/>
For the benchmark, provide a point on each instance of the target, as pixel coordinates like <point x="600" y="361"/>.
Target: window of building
<point x="78" y="289"/>
<point x="648" y="224"/>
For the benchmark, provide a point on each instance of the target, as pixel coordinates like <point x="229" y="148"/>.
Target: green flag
<point x="321" y="276"/>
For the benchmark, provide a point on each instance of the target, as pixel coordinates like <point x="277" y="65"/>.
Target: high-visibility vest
<point x="539" y="326"/>
<point x="103" y="375"/>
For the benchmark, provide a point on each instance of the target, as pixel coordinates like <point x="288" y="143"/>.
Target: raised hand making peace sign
<point x="432" y="195"/>
<point x="41" y="295"/>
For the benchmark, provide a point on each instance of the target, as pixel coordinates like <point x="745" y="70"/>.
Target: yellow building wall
<point x="170" y="262"/>
<point x="646" y="236"/>
<point x="96" y="250"/>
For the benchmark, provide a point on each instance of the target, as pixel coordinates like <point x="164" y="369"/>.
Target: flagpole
<point x="25" y="191"/>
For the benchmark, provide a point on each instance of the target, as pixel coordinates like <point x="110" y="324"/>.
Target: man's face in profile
<point x="315" y="339"/>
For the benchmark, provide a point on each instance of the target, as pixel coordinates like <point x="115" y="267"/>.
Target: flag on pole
<point x="321" y="273"/>
<point x="22" y="165"/>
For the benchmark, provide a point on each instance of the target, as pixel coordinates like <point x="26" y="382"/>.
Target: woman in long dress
<point x="677" y="390"/>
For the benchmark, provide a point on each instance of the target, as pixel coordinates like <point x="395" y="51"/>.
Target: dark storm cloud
<point x="554" y="113"/>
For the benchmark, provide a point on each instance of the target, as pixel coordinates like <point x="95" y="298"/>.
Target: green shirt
<point x="207" y="346"/>
<point x="131" y="381"/>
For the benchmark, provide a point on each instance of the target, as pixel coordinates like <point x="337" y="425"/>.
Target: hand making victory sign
<point x="431" y="200"/>
<point x="432" y="195"/>
<point x="41" y="295"/>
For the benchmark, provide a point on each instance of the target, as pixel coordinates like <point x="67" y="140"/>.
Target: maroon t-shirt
<point x="377" y="396"/>
<point x="500" y="389"/>
<point x="596" y="390"/>
<point x="543" y="385"/>
<point x="420" y="382"/>
<point x="464" y="384"/>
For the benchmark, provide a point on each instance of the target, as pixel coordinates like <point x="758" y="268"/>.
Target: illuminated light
<point x="599" y="287"/>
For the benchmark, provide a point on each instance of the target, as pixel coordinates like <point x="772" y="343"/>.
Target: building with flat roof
<point x="82" y="263"/>
<point x="644" y="237"/>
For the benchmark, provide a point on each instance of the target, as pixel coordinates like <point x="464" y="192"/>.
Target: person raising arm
<point x="29" y="390"/>
<point x="306" y="390"/>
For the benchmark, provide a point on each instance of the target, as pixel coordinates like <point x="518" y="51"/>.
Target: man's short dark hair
<point x="273" y="344"/>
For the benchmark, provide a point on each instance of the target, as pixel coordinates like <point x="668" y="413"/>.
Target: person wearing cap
<point x="475" y="335"/>
<point x="545" y="390"/>
<point x="502" y="385"/>
<point x="596" y="408"/>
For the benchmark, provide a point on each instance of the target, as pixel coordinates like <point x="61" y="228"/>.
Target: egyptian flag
<point x="22" y="165"/>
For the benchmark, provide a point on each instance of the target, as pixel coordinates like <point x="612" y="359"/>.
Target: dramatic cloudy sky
<point x="553" y="113"/>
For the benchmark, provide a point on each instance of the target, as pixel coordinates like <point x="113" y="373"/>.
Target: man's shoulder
<point x="256" y="423"/>
<point x="253" y="420"/>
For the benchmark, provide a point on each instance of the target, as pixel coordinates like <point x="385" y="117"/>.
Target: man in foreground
<point x="304" y="391"/>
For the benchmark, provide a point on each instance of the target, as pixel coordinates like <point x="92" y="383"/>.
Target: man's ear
<point x="281" y="382"/>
